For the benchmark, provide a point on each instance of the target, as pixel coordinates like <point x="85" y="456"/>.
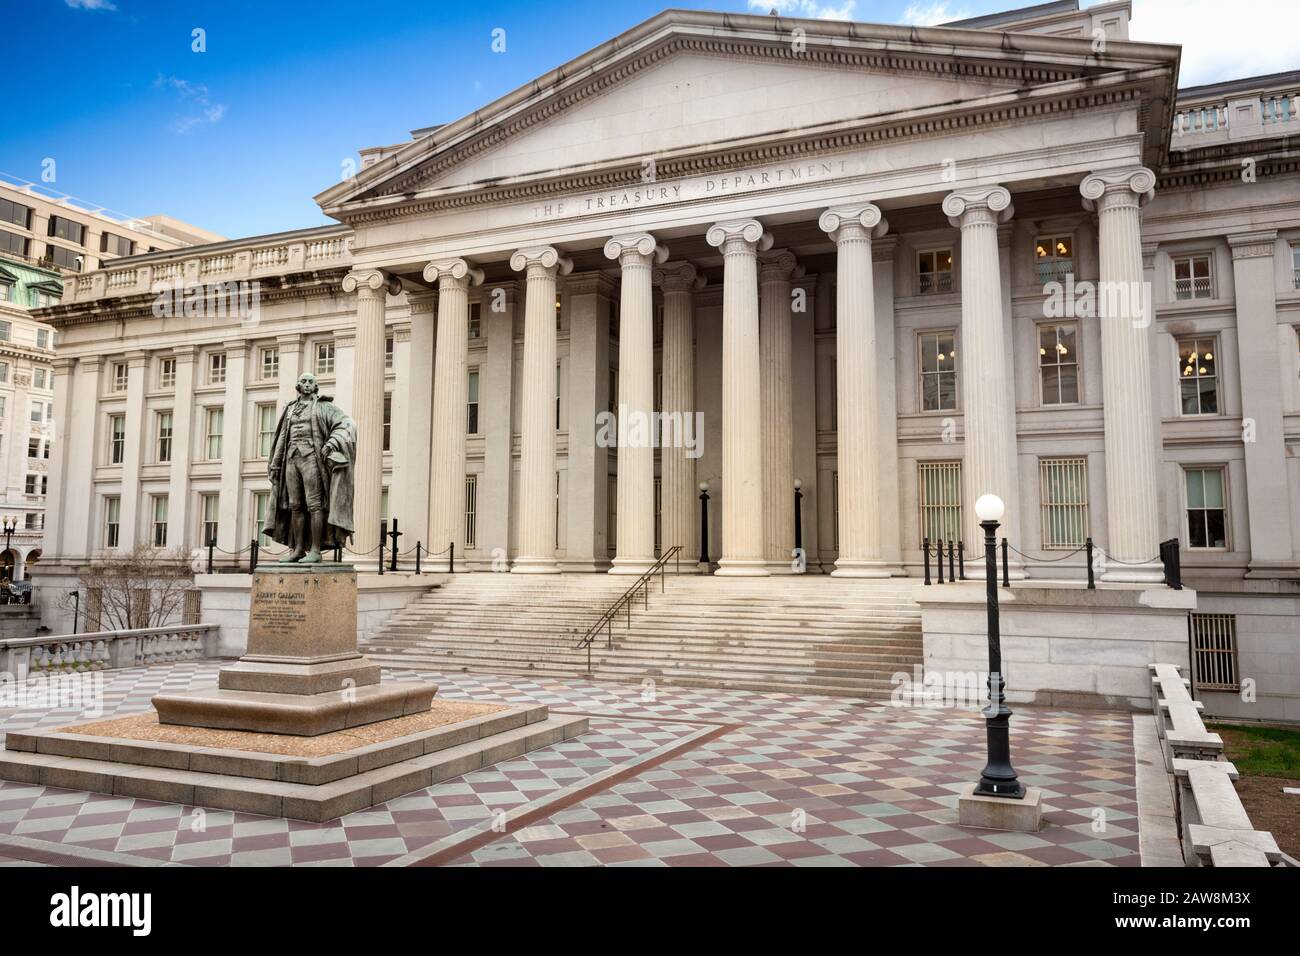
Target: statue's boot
<point x="299" y="536"/>
<point x="317" y="535"/>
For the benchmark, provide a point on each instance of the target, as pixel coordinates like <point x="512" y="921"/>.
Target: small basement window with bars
<point x="1214" y="651"/>
<point x="939" y="494"/>
<point x="1063" y="486"/>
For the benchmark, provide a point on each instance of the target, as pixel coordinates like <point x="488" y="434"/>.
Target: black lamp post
<point x="10" y="526"/>
<point x="704" y="524"/>
<point x="798" y="515"/>
<point x="999" y="777"/>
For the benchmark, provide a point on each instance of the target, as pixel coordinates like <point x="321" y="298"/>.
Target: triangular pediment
<point x="689" y="81"/>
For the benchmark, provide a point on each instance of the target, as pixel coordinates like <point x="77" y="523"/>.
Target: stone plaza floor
<point x="665" y="777"/>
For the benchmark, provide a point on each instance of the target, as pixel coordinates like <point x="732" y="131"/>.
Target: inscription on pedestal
<point x="302" y="616"/>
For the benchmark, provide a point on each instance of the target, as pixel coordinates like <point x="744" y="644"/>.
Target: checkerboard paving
<point x="665" y="777"/>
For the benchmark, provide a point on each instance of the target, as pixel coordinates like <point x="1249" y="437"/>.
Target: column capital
<point x="778" y="265"/>
<point x="541" y="257"/>
<point x="371" y="282"/>
<point x="1149" y="250"/>
<point x="1136" y="184"/>
<point x="863" y="220"/>
<point x="731" y="235"/>
<point x="679" y="276"/>
<point x="453" y="270"/>
<point x="1253" y="245"/>
<point x="637" y="245"/>
<point x="979" y="204"/>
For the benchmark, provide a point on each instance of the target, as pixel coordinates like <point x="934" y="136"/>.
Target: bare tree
<point x="143" y="588"/>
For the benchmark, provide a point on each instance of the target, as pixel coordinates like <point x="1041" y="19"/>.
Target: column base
<point x="742" y="568"/>
<point x="631" y="565"/>
<point x="782" y="567"/>
<point x="535" y="566"/>
<point x="1133" y="574"/>
<point x="860" y="568"/>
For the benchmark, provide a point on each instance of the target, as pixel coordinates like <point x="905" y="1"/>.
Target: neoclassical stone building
<point x="902" y="266"/>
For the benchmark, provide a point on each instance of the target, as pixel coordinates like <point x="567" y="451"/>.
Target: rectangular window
<point x="167" y="373"/>
<point x="388" y="353"/>
<point x="1063" y="494"/>
<point x="1214" y="651"/>
<point x="1295" y="266"/>
<point x="557" y="396"/>
<point x="217" y="368"/>
<point x="1198" y="379"/>
<point x="388" y="421"/>
<point x="121" y="376"/>
<point x="112" y="521"/>
<point x="2" y="406"/>
<point x="64" y="258"/>
<point x="1053" y="258"/>
<point x="115" y="245"/>
<point x="33" y="448"/>
<point x="6" y="331"/>
<point x="64" y="228"/>
<point x="4" y="370"/>
<point x="164" y="442"/>
<point x="1206" y="511"/>
<point x="261" y="504"/>
<point x="938" y="371"/>
<point x="472" y="404"/>
<point x="471" y="510"/>
<point x="116" y="439"/>
<point x="270" y="364"/>
<point x="1192" y="277"/>
<point x="939" y="496"/>
<point x="1058" y="364"/>
<point x="43" y="300"/>
<point x="160" y="521"/>
<point x="476" y="320"/>
<point x="36" y="484"/>
<point x="210" y="508"/>
<point x="265" y="429"/>
<point x="383" y="511"/>
<point x="14" y="243"/>
<point x="324" y="358"/>
<point x="15" y="213"/>
<point x="934" y="271"/>
<point x="37" y="412"/>
<point x="6" y="291"/>
<point x="38" y="378"/>
<point x="214" y="422"/>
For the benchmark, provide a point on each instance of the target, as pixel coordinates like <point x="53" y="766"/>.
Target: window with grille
<point x="1053" y="258"/>
<point x="217" y="368"/>
<point x="167" y="373"/>
<point x="938" y="371"/>
<point x="324" y="358"/>
<point x="1058" y="363"/>
<point x="388" y="353"/>
<point x="1193" y="277"/>
<point x="270" y="364"/>
<point x="120" y="376"/>
<point x="934" y="271"/>
<point x="939" y="496"/>
<point x="1063" y="490"/>
<point x="1214" y="651"/>
<point x="1198" y="378"/>
<point x="1206" y="509"/>
<point x="471" y="510"/>
<point x="388" y="421"/>
<point x="471" y="405"/>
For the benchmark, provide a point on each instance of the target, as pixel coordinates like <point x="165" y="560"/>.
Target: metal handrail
<point x="625" y="600"/>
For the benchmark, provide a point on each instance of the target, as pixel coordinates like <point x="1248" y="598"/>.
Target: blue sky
<point x="238" y="138"/>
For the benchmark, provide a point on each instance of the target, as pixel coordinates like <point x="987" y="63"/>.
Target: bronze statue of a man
<point x="312" y="453"/>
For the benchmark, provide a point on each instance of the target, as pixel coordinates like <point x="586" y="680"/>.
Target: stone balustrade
<point x="21" y="658"/>
<point x="1215" y="828"/>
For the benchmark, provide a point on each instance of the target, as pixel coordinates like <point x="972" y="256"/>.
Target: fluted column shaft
<point x="678" y="518"/>
<point x="372" y="288"/>
<point x="775" y="340"/>
<point x="537" y="411"/>
<point x="636" y="255"/>
<point x="1132" y="508"/>
<point x="450" y="392"/>
<point x="988" y="405"/>
<point x="742" y="450"/>
<point x="852" y="229"/>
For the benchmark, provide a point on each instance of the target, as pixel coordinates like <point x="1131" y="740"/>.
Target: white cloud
<point x="933" y="13"/>
<point x="1222" y="42"/>
<point x="195" y="95"/>
<point x="808" y="9"/>
<point x="91" y="4"/>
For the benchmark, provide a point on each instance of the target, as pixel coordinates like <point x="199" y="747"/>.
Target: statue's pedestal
<point x="303" y="673"/>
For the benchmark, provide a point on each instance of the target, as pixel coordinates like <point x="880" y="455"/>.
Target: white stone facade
<point x="824" y="209"/>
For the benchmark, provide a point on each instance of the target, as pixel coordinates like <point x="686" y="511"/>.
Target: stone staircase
<point x="808" y="635"/>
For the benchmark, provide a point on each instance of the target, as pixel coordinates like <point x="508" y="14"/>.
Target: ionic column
<point x="178" y="487"/>
<point x="1132" y="515"/>
<point x="852" y="228"/>
<point x="450" y="391"/>
<point x="742" y="451"/>
<point x="537" y="411"/>
<point x="137" y="363"/>
<point x="775" y="342"/>
<point x="988" y="403"/>
<point x="679" y="520"/>
<point x="367" y="411"/>
<point x="637" y="255"/>
<point x="413" y="450"/>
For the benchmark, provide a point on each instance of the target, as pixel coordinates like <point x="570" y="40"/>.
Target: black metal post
<point x="383" y="533"/>
<point x="417" y="557"/>
<point x="1172" y="563"/>
<point x="338" y="553"/>
<point x="451" y="558"/>
<point x="704" y="525"/>
<point x="798" y="517"/>
<point x="212" y="543"/>
<point x="938" y="557"/>
<point x="252" y="556"/>
<point x="394" y="534"/>
<point x="952" y="570"/>
<point x="925" y="550"/>
<point x="1006" y="575"/>
<point x="999" y="777"/>
<point x="1092" y="584"/>
<point x="76" y="611"/>
<point x="961" y="559"/>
